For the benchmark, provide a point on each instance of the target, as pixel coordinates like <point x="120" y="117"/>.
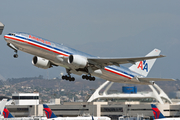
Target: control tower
<point x="1" y="28"/>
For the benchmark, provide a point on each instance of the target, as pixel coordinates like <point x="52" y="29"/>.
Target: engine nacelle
<point x="41" y="62"/>
<point x="78" y="61"/>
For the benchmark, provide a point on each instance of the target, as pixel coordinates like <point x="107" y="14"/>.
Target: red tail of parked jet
<point x="157" y="113"/>
<point x="48" y="111"/>
<point x="7" y="114"/>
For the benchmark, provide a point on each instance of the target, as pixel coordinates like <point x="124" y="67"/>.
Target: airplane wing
<point x="155" y="79"/>
<point x="117" y="61"/>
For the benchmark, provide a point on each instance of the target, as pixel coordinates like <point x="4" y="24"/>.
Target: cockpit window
<point x="12" y="34"/>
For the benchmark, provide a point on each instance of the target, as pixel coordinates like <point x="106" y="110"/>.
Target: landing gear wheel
<point x="87" y="77"/>
<point x="15" y="55"/>
<point x="68" y="78"/>
<point x="72" y="79"/>
<point x="83" y="77"/>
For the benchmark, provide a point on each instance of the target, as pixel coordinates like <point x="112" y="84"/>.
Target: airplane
<point x="158" y="115"/>
<point x="51" y="115"/>
<point x="48" y="54"/>
<point x="8" y="115"/>
<point x="2" y="105"/>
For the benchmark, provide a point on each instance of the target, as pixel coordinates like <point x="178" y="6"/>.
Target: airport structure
<point x="129" y="103"/>
<point x="157" y="93"/>
<point x="1" y="28"/>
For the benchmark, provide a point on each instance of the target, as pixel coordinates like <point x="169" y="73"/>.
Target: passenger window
<point x="11" y="34"/>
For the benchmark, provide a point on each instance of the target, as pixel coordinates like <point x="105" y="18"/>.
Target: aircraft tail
<point x="7" y="114"/>
<point x="48" y="111"/>
<point x="143" y="67"/>
<point x="157" y="113"/>
<point x="92" y="117"/>
<point x="2" y="105"/>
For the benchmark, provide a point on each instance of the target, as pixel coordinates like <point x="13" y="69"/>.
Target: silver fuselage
<point x="49" y="50"/>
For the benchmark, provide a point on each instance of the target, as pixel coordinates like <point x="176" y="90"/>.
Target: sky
<point x="103" y="28"/>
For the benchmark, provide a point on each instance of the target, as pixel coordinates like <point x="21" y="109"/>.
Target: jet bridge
<point x="1" y="28"/>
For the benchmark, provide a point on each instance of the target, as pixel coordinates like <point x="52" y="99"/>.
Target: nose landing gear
<point x="14" y="48"/>
<point x="15" y="55"/>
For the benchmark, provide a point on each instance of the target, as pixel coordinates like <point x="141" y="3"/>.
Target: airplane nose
<point x="8" y="36"/>
<point x="5" y="38"/>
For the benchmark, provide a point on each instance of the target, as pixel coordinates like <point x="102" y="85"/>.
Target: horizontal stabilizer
<point x="155" y="79"/>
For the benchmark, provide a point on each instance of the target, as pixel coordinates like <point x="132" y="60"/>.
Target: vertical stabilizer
<point x="48" y="111"/>
<point x="7" y="114"/>
<point x="92" y="117"/>
<point x="143" y="67"/>
<point x="2" y="105"/>
<point x="156" y="112"/>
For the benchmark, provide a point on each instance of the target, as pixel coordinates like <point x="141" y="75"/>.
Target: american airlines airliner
<point x="48" y="54"/>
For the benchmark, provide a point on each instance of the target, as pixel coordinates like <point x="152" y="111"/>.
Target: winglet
<point x="7" y="114"/>
<point x="157" y="113"/>
<point x="48" y="111"/>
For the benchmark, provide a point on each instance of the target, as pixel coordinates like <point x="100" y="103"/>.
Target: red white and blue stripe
<point x="33" y="42"/>
<point x="119" y="72"/>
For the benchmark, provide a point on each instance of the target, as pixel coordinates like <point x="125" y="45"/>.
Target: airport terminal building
<point x="131" y="103"/>
<point x="110" y="109"/>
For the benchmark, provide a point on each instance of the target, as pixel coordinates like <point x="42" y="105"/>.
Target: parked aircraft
<point x="2" y="105"/>
<point x="47" y="54"/>
<point x="8" y="115"/>
<point x="158" y="115"/>
<point x="51" y="115"/>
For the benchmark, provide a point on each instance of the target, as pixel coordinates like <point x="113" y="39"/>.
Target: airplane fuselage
<point x="58" y="54"/>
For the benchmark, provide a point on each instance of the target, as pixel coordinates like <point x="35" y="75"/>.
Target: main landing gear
<point x="88" y="77"/>
<point x="68" y="77"/>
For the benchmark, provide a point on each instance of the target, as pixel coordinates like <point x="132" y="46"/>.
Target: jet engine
<point x="41" y="62"/>
<point x="78" y="61"/>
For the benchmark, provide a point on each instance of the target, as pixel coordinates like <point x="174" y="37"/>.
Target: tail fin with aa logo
<point x="143" y="67"/>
